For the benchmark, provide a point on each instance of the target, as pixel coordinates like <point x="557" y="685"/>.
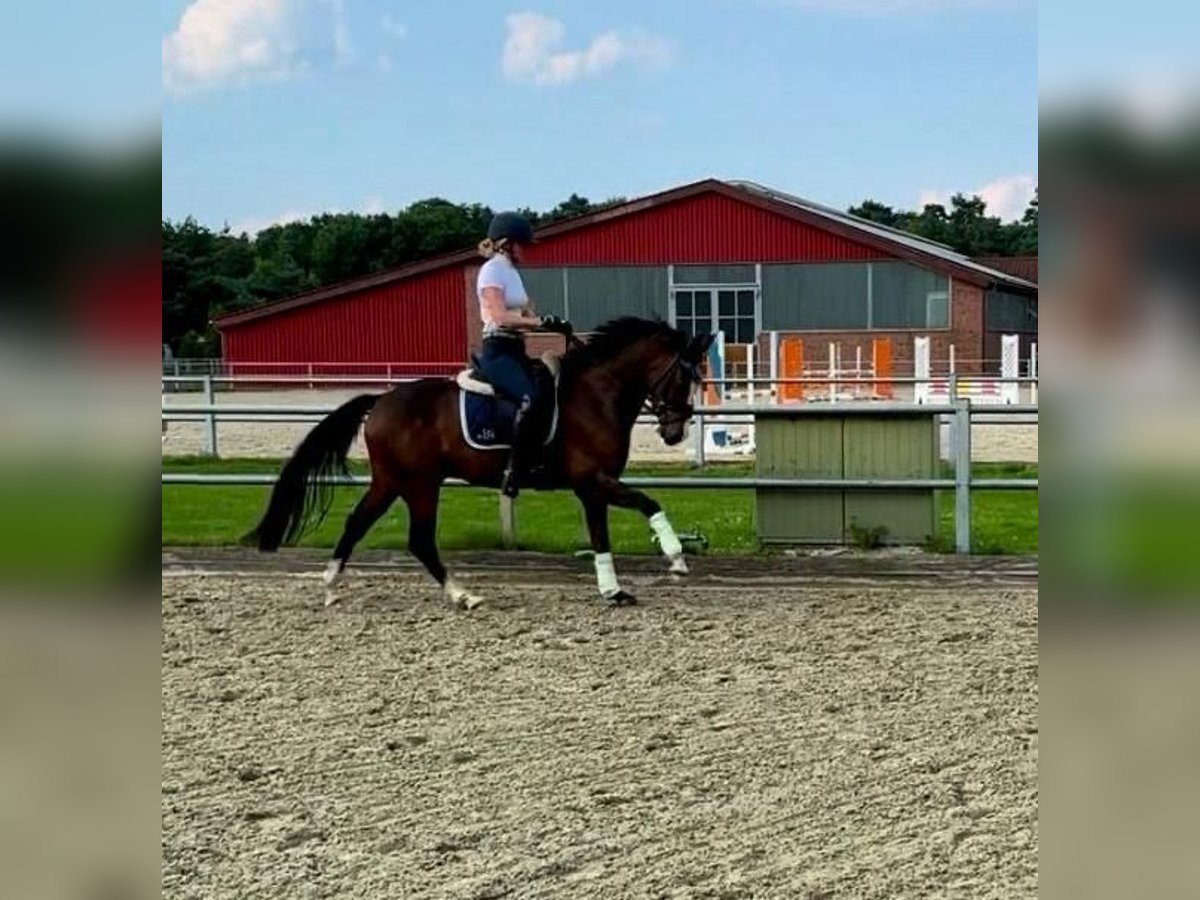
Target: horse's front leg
<point x="596" y="510"/>
<point x="616" y="493"/>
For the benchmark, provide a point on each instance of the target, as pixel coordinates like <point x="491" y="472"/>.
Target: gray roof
<point x="895" y="235"/>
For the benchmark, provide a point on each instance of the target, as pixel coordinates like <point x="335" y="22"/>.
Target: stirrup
<point x="508" y="483"/>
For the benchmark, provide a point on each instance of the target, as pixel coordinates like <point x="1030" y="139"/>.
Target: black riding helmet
<point x="512" y="227"/>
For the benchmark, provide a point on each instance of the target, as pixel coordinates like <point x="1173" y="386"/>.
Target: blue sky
<point x="273" y="109"/>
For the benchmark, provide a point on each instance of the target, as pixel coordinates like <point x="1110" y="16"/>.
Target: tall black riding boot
<point x="516" y="454"/>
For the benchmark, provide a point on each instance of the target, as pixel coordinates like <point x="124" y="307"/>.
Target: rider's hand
<point x="556" y="323"/>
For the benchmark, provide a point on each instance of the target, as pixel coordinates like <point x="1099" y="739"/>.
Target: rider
<point x="507" y="314"/>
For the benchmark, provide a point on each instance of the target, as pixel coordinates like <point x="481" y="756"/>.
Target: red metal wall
<point x="423" y="319"/>
<point x="708" y="228"/>
<point x="417" y="320"/>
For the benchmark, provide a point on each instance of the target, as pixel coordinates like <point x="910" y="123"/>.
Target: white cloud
<point x="392" y="27"/>
<point x="254" y="224"/>
<point x="532" y="54"/>
<point x="221" y="42"/>
<point x="343" y="45"/>
<point x="1005" y="197"/>
<point x="372" y="205"/>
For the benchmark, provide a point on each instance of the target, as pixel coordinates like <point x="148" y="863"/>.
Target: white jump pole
<point x="832" y="371"/>
<point x="775" y="365"/>
<point x="750" y="372"/>
<point x="1033" y="373"/>
<point x="858" y="371"/>
<point x="921" y="368"/>
<point x="1010" y="367"/>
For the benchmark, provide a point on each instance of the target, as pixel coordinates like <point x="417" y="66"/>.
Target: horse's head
<point x="674" y="383"/>
<point x="661" y="362"/>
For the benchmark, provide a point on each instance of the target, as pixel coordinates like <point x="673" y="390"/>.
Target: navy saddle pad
<point x="486" y="421"/>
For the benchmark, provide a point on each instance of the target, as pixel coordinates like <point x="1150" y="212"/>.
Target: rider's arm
<point x="492" y="301"/>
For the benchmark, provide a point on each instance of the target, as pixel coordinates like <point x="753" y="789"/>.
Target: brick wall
<point x="966" y="327"/>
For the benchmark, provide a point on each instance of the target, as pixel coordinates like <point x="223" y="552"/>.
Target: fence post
<point x="210" y="437"/>
<point x="700" y="440"/>
<point x="961" y="441"/>
<point x="508" y="522"/>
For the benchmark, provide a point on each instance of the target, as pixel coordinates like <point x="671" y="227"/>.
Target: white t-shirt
<point x="501" y="273"/>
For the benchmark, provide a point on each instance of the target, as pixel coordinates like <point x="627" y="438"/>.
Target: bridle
<point x="672" y="413"/>
<point x="665" y="412"/>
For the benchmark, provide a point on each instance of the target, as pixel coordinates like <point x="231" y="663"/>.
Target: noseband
<point x="672" y="413"/>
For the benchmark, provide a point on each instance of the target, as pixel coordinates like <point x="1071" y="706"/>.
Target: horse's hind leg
<point x="374" y="503"/>
<point x="422" y="499"/>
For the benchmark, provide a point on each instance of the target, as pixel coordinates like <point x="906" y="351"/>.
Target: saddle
<point x="473" y="381"/>
<point x="486" y="419"/>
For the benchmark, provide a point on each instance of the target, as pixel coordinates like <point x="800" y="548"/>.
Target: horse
<point x="414" y="442"/>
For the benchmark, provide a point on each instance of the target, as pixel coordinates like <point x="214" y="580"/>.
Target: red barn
<point x="712" y="255"/>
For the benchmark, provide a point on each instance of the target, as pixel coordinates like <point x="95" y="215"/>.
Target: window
<point x="596" y="294"/>
<point x="906" y="296"/>
<point x="1008" y="313"/>
<point x="685" y="314"/>
<point x="735" y="316"/>
<point x="937" y="309"/>
<point x="854" y="297"/>
<point x="815" y="296"/>
<point x="733" y="312"/>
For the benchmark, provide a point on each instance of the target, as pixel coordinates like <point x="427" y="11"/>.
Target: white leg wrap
<point x="667" y="539"/>
<point x="330" y="577"/>
<point x="606" y="575"/>
<point x="460" y="596"/>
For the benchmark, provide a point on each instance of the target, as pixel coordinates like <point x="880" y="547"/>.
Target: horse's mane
<point x="608" y="340"/>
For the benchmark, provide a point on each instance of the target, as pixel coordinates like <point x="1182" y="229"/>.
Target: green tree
<point x="874" y="211"/>
<point x="339" y="248"/>
<point x="965" y="226"/>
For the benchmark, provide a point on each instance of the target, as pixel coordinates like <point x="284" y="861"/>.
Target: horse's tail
<point x="304" y="486"/>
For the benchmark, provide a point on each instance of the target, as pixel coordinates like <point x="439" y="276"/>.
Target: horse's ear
<point x="700" y="344"/>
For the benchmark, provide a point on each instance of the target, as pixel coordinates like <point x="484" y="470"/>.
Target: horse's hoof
<point x="678" y="567"/>
<point x="331" y="597"/>
<point x="461" y="597"/>
<point x="622" y="598"/>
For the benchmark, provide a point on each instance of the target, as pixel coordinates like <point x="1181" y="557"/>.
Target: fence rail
<point x="959" y="412"/>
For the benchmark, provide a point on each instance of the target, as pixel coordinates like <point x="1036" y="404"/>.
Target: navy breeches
<point x="504" y="364"/>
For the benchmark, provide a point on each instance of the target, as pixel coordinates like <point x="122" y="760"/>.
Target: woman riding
<point x="507" y="314"/>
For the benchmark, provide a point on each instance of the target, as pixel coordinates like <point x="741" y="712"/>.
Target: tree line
<point x="207" y="273"/>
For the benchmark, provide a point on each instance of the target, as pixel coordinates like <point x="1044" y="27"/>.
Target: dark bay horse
<point x="414" y="442"/>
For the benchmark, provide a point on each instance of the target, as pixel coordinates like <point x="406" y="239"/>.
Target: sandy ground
<point x="1014" y="441"/>
<point x="785" y="737"/>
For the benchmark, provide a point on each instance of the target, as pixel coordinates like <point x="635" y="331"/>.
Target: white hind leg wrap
<point x="606" y="575"/>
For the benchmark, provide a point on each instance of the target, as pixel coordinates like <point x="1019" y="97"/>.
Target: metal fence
<point x="958" y="413"/>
